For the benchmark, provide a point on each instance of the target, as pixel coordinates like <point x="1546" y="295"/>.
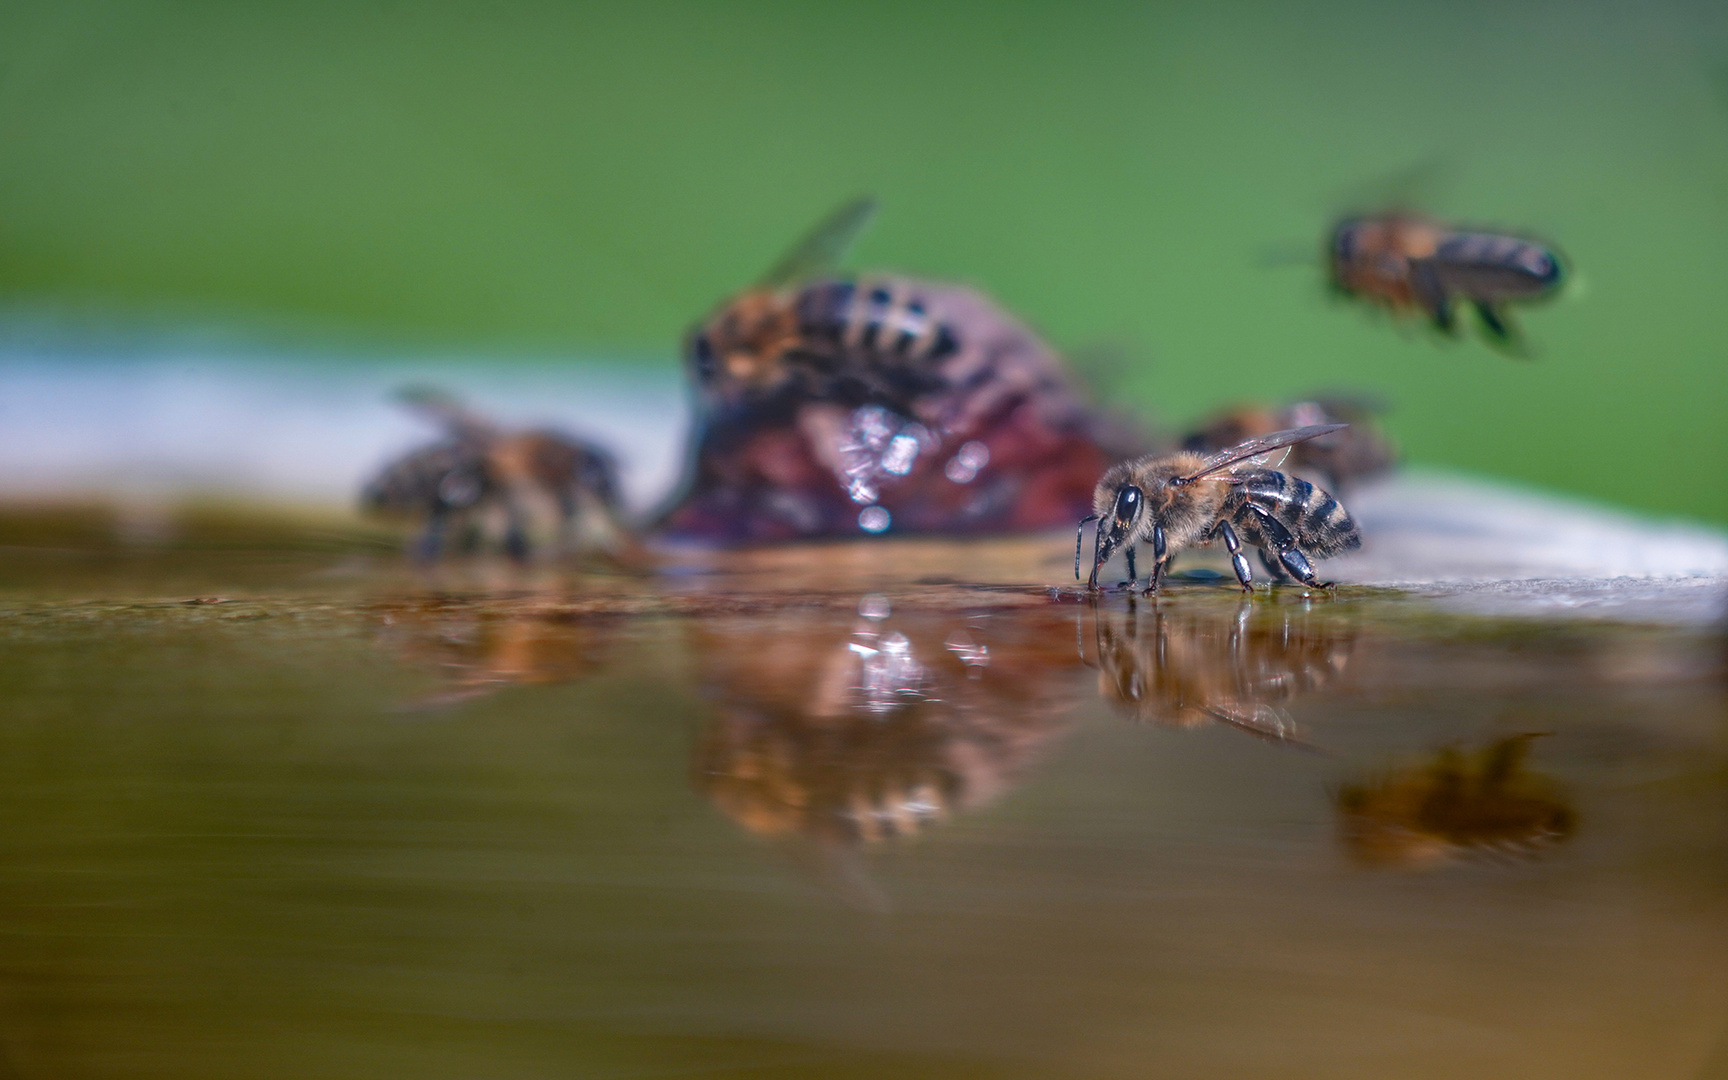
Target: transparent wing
<point x="443" y="408"/>
<point x="823" y="247"/>
<point x="1414" y="185"/>
<point x="1266" y="452"/>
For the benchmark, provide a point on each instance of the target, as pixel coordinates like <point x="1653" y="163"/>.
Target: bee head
<point x="739" y="356"/>
<point x="1117" y="525"/>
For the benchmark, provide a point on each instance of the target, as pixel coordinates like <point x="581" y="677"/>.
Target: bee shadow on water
<point x="1460" y="803"/>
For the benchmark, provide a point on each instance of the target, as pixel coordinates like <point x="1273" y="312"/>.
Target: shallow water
<point x="841" y="812"/>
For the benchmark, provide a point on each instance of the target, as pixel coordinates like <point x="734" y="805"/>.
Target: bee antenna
<point x="1079" y="535"/>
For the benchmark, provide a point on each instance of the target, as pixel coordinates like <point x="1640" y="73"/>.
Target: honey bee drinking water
<point x="1408" y="263"/>
<point x="838" y="406"/>
<point x="479" y="472"/>
<point x="1173" y="501"/>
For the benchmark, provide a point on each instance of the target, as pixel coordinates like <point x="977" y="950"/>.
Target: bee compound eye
<point x="1127" y="502"/>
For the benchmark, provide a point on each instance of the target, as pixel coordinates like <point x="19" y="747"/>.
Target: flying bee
<point x="1338" y="460"/>
<point x="830" y="405"/>
<point x="1179" y="500"/>
<point x="480" y="471"/>
<point x="1406" y="262"/>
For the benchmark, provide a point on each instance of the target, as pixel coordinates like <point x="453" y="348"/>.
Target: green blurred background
<point x="567" y="179"/>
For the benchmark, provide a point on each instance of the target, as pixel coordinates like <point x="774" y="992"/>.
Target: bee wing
<point x="1266" y="452"/>
<point x="443" y="408"/>
<point x="822" y="248"/>
<point x="1407" y="188"/>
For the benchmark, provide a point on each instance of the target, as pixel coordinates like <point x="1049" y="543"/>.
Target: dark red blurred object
<point x="852" y="408"/>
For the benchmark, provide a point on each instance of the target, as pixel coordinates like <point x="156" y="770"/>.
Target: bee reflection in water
<point x="1482" y="802"/>
<point x="1182" y="666"/>
<point x="850" y="736"/>
<point x="477" y="653"/>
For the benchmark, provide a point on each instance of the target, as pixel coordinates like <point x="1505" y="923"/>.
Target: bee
<point x="479" y="470"/>
<point x="1187" y="668"/>
<point x="1338" y="460"/>
<point x="1406" y="262"/>
<point x="1179" y="500"/>
<point x="1458" y="803"/>
<point x="830" y="405"/>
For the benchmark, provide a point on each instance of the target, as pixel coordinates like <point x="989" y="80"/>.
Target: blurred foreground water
<point x="844" y="810"/>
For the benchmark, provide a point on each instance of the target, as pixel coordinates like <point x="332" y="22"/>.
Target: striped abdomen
<point x="882" y="318"/>
<point x="1485" y="266"/>
<point x="1319" y="523"/>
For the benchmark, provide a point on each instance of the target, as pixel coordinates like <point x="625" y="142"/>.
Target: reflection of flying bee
<point x="1337" y="460"/>
<point x="1183" y="668"/>
<point x="832" y="406"/>
<point x="1406" y="262"/>
<point x="1458" y="803"/>
<point x="478" y="471"/>
<point x="480" y="652"/>
<point x="848" y="737"/>
<point x="1173" y="501"/>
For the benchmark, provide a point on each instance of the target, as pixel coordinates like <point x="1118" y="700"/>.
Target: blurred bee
<point x="1179" y="500"/>
<point x="1405" y="262"/>
<point x="834" y="406"/>
<point x="850" y="737"/>
<point x="1185" y="668"/>
<point x="479" y="471"/>
<point x="1458" y="803"/>
<point x="1337" y="461"/>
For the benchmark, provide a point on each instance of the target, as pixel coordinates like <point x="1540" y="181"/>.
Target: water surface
<point x="841" y="812"/>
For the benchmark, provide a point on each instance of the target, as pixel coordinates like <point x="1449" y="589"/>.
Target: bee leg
<point x="1288" y="554"/>
<point x="1425" y="282"/>
<point x="1493" y="322"/>
<point x="431" y="540"/>
<point x="1080" y="534"/>
<point x="1272" y="565"/>
<point x="1238" y="561"/>
<point x="1299" y="567"/>
<point x="568" y="507"/>
<point x="515" y="535"/>
<point x="1161" y="558"/>
<point x="1502" y="333"/>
